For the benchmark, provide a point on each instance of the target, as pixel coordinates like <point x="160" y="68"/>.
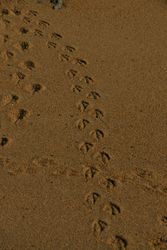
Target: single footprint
<point x="8" y="99"/>
<point x="72" y="73"/>
<point x="90" y="172"/>
<point x="97" y="113"/>
<point x="56" y="36"/>
<point x="57" y="4"/>
<point x="6" y="38"/>
<point x="92" y="198"/>
<point x="26" y="20"/>
<point x="112" y="209"/>
<point x="87" y="79"/>
<point x="103" y="157"/>
<point x="33" y="13"/>
<point x="14" y="99"/>
<point x="20" y="75"/>
<point x="24" y="45"/>
<point x="9" y="54"/>
<point x="108" y="183"/>
<point x="38" y="32"/>
<point x="4" y="100"/>
<point x="36" y="87"/>
<point x="18" y="115"/>
<point x="43" y="24"/>
<point x="51" y="45"/>
<point x="85" y="147"/>
<point x="64" y="57"/>
<point x="76" y="88"/>
<point x="5" y="11"/>
<point x="21" y="114"/>
<point x="118" y="242"/>
<point x="97" y="134"/>
<point x="6" y="21"/>
<point x="69" y="49"/>
<point x="30" y="64"/>
<point x="4" y="141"/>
<point x="99" y="226"/>
<point x="160" y="243"/>
<point x="164" y="220"/>
<point x="83" y="106"/>
<point x="93" y="95"/>
<point x="24" y="30"/>
<point x="80" y="62"/>
<point x="82" y="124"/>
<point x="17" y="12"/>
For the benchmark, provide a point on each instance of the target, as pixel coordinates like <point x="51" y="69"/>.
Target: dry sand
<point x="83" y="95"/>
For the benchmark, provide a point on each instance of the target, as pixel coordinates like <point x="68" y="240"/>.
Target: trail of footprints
<point x="88" y="112"/>
<point x="83" y="85"/>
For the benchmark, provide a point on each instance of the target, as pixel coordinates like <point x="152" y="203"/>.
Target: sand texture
<point x="83" y="101"/>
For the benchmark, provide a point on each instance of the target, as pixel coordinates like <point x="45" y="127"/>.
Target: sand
<point x="82" y="125"/>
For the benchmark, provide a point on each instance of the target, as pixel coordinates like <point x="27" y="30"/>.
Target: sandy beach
<point x="83" y="116"/>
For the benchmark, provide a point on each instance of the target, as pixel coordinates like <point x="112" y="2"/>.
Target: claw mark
<point x="99" y="226"/>
<point x="97" y="134"/>
<point x="82" y="106"/>
<point x="76" y="88"/>
<point x="51" y="45"/>
<point x="90" y="172"/>
<point x="94" y="95"/>
<point x="92" y="198"/>
<point x="71" y="73"/>
<point x="85" y="147"/>
<point x="82" y="124"/>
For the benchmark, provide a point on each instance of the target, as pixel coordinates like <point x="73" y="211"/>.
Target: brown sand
<point x="82" y="125"/>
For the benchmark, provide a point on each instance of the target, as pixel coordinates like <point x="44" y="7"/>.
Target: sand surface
<point x="83" y="106"/>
